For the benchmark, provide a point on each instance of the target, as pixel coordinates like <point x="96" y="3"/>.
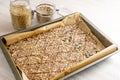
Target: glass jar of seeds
<point x="20" y="14"/>
<point x="44" y="12"/>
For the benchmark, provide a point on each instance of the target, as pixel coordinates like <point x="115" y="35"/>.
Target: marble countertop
<point x="103" y="13"/>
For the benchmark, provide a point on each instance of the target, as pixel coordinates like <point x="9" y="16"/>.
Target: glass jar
<point x="21" y="14"/>
<point x="45" y="11"/>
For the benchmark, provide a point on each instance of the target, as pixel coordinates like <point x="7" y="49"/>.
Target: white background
<point x="105" y="14"/>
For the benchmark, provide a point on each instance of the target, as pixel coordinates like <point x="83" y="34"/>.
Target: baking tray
<point x="100" y="35"/>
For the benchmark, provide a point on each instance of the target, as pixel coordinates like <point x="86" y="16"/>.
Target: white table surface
<point x="103" y="13"/>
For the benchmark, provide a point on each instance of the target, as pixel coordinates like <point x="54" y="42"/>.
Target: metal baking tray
<point x="100" y="35"/>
